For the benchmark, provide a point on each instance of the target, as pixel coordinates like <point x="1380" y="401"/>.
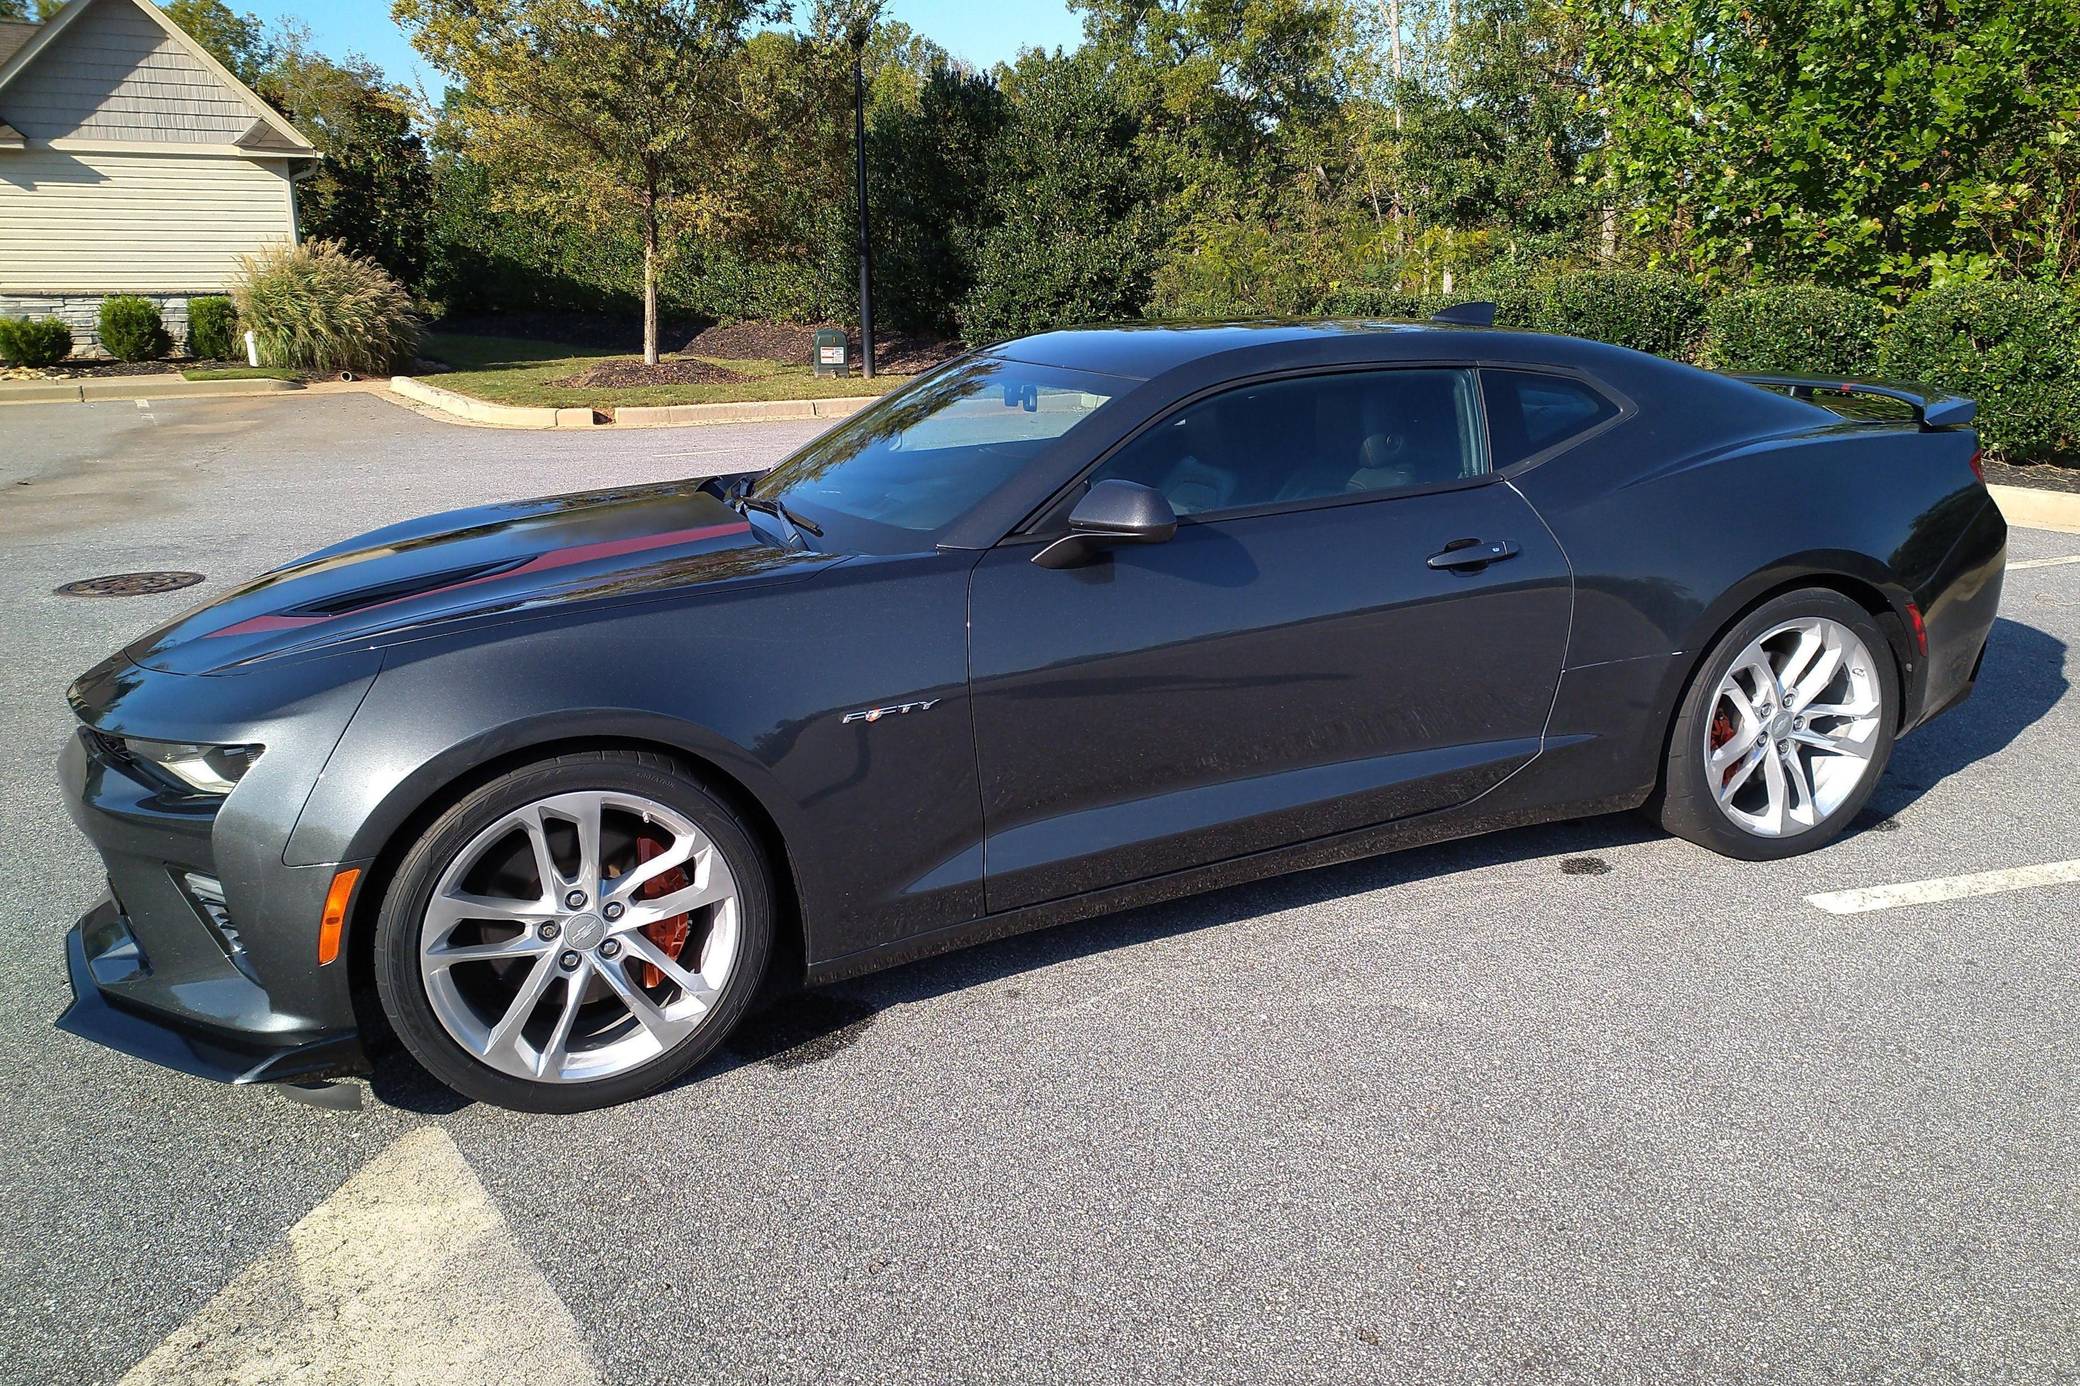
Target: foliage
<point x="372" y="186"/>
<point x="2015" y="348"/>
<point x="622" y="116"/>
<point x="235" y="40"/>
<point x="1794" y="327"/>
<point x="34" y="341"/>
<point x="1875" y="144"/>
<point x="317" y="307"/>
<point x="1069" y="236"/>
<point x="133" y="329"/>
<point x="212" y="328"/>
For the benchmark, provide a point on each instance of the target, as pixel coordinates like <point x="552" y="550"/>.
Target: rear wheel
<point x="1784" y="732"/>
<point x="574" y="934"/>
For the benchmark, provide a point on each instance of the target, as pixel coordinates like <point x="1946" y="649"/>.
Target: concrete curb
<point x="135" y="387"/>
<point x="482" y="411"/>
<point x="2026" y="507"/>
<point x="750" y="411"/>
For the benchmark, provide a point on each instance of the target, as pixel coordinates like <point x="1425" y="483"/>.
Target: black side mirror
<point x="1113" y="512"/>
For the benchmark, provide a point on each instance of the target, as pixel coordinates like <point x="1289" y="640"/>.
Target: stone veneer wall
<point x="82" y="313"/>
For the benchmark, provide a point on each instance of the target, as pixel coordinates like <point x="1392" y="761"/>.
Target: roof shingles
<point x="13" y="35"/>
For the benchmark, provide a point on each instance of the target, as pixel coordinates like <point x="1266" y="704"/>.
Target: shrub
<point x="212" y="328"/>
<point x="2011" y="347"/>
<point x="1641" y="309"/>
<point x="34" y="342"/>
<point x="1794" y="327"/>
<point x="132" y="329"/>
<point x="1368" y="301"/>
<point x="315" y="307"/>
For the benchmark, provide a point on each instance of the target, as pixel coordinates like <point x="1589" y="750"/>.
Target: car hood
<point x="495" y="559"/>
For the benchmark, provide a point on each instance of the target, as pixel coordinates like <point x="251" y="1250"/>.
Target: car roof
<point x="1143" y="351"/>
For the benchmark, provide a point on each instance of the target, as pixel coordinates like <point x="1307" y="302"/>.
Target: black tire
<point x="404" y="1000"/>
<point x="1683" y="802"/>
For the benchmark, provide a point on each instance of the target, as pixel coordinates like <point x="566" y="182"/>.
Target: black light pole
<point x="866" y="250"/>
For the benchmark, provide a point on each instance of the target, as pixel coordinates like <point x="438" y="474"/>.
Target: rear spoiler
<point x="1930" y="411"/>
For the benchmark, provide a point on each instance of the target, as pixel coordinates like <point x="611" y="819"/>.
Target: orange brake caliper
<point x="668" y="934"/>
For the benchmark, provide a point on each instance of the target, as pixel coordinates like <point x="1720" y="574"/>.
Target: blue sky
<point x="982" y="31"/>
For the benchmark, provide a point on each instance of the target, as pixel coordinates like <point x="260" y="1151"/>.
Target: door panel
<point x="1255" y="681"/>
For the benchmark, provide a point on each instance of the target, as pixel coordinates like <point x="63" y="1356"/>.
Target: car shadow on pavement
<point x="2024" y="677"/>
<point x="806" y="1027"/>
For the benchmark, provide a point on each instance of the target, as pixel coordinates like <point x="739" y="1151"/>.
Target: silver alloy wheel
<point x="1792" y="727"/>
<point x="534" y="977"/>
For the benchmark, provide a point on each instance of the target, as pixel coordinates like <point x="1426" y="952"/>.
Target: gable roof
<point x="13" y="34"/>
<point x="284" y="138"/>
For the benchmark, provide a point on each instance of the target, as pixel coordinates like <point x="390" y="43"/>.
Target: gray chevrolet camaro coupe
<point x="550" y="788"/>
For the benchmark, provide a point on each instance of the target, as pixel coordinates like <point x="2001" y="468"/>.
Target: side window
<point x="1528" y="413"/>
<point x="1310" y="438"/>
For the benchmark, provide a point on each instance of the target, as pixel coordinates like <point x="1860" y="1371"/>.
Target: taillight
<point x="1920" y="627"/>
<point x="1979" y="465"/>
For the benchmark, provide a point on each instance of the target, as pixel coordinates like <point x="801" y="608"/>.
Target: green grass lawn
<point x="514" y="370"/>
<point x="241" y="373"/>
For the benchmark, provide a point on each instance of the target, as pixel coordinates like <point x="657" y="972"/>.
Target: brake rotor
<point x="669" y="935"/>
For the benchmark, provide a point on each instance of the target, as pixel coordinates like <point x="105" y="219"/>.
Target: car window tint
<point x="1529" y="413"/>
<point x="1311" y="438"/>
<point x="890" y="479"/>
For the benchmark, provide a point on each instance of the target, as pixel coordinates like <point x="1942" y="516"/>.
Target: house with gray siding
<point x="131" y="162"/>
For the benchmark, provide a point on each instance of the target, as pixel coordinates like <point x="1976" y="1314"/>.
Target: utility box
<point x="831" y="356"/>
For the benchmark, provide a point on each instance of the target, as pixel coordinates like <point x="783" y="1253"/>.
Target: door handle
<point x="1466" y="555"/>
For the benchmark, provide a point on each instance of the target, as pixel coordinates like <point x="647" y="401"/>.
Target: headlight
<point x="206" y="769"/>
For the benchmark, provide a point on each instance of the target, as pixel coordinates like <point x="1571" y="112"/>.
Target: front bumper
<point x="102" y="947"/>
<point x="225" y="985"/>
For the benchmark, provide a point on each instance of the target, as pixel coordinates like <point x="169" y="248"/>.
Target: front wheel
<point x="1784" y="732"/>
<point x="574" y="934"/>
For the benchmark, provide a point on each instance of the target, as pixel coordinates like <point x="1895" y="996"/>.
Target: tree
<point x="235" y="40"/>
<point x="623" y="114"/>
<point x="1878" y="144"/>
<point x="373" y="187"/>
<point x="23" y="11"/>
<point x="1070" y="235"/>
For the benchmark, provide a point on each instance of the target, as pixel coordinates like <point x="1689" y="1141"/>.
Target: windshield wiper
<point x="774" y="507"/>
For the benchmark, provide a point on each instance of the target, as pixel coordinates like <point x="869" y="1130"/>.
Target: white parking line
<point x="2044" y="562"/>
<point x="409" y="1275"/>
<point x="1946" y="888"/>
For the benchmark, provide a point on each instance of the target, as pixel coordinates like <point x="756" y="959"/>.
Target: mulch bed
<point x="623" y="375"/>
<point x="895" y="353"/>
<point x="2044" y="476"/>
<point x="612" y="331"/>
<point x="97" y="370"/>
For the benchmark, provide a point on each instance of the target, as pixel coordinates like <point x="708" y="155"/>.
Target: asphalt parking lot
<point x="1577" y="1103"/>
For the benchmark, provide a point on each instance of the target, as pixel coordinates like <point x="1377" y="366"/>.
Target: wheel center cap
<point x="1780" y="726"/>
<point x="585" y="931"/>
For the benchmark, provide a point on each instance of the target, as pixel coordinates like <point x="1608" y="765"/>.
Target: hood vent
<point x="418" y="585"/>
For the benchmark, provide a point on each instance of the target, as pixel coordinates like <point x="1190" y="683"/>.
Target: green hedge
<point x="212" y="328"/>
<point x="132" y="329"/>
<point x="2011" y="347"/>
<point x="34" y="342"/>
<point x="1794" y="327"/>
<point x="1641" y="309"/>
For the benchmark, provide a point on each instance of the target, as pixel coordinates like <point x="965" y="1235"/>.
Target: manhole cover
<point x="129" y="584"/>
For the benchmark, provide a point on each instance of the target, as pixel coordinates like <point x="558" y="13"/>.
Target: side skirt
<point x="1443" y="826"/>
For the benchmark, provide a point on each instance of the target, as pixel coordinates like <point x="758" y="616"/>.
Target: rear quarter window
<point x="1529" y="412"/>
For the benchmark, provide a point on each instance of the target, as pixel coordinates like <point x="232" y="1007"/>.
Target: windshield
<point x="897" y="474"/>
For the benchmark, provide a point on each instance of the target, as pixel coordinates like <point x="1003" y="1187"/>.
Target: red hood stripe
<point x="555" y="558"/>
